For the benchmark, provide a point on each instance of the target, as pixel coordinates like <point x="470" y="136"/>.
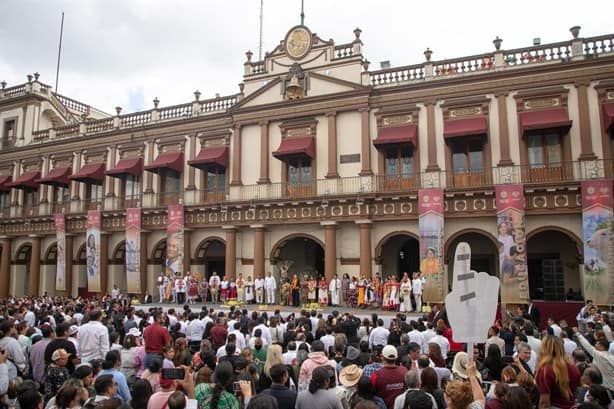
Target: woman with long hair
<point x="494" y="363"/>
<point x="428" y="383"/>
<point x="206" y="356"/>
<point x="557" y="380"/>
<point x="434" y="353"/>
<point x="318" y="396"/>
<point x="365" y="392"/>
<point x="182" y="355"/>
<point x="128" y="357"/>
<point x="220" y="394"/>
<point x="274" y="357"/>
<point x="141" y="392"/>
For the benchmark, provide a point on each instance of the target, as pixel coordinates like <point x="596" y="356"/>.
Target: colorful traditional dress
<point x="394" y="301"/>
<point x="362" y="291"/>
<point x="323" y="292"/>
<point x="345" y="290"/>
<point x="192" y="290"/>
<point x="203" y="289"/>
<point x="379" y="291"/>
<point x="352" y="294"/>
<point x="285" y="293"/>
<point x="232" y="290"/>
<point x="311" y="291"/>
<point x="405" y="295"/>
<point x="249" y="291"/>
<point x="386" y="294"/>
<point x="224" y="290"/>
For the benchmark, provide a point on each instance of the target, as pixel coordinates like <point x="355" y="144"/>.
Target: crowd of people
<point x="389" y="293"/>
<point x="62" y="353"/>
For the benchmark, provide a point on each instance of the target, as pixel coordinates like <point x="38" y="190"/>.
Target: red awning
<point x="608" y="116"/>
<point x="26" y="180"/>
<point x="57" y="176"/>
<point x="544" y="119"/>
<point x="5" y="181"/>
<point x="127" y="166"/>
<point x="90" y="173"/>
<point x="167" y="160"/>
<point x="465" y="127"/>
<point x="292" y="147"/>
<point x="396" y="135"/>
<point x="213" y="156"/>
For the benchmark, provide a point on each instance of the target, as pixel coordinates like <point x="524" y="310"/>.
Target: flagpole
<point x="57" y="71"/>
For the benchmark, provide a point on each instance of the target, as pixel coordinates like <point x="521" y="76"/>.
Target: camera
<point x="236" y="386"/>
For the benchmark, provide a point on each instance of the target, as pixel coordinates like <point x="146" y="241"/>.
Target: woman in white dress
<point x="249" y="290"/>
<point x="405" y="294"/>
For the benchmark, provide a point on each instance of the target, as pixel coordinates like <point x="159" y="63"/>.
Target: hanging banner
<point x="430" y="225"/>
<point x="174" y="240"/>
<point x="598" y="241"/>
<point x="513" y="270"/>
<point x="133" y="250"/>
<point x="92" y="250"/>
<point x="60" y="234"/>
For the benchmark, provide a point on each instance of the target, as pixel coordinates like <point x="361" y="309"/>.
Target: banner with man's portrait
<point x="60" y="234"/>
<point x="92" y="251"/>
<point x="133" y="250"/>
<point x="430" y="226"/>
<point x="174" y="240"/>
<point x="598" y="239"/>
<point x="513" y="270"/>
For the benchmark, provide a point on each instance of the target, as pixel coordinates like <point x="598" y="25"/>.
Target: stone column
<point x="110" y="181"/>
<point x="104" y="262"/>
<point x="431" y="137"/>
<point x="192" y="169"/>
<point x="35" y="266"/>
<point x="236" y="156"/>
<point x="264" y="153"/>
<point x="259" y="230"/>
<point x="330" y="249"/>
<point x="44" y="188"/>
<point x="365" y="246"/>
<point x="585" y="122"/>
<point x="365" y="143"/>
<point x="148" y="176"/>
<point x="504" y="134"/>
<point x="231" y="252"/>
<point x="68" y="257"/>
<point x="187" y="252"/>
<point x="5" y="267"/>
<point x="74" y="185"/>
<point x="143" y="256"/>
<point x="332" y="145"/>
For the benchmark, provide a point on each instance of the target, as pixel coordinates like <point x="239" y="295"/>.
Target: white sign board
<point x="472" y="304"/>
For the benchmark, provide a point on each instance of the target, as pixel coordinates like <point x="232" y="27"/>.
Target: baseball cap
<point x="59" y="354"/>
<point x="390" y="352"/>
<point x="73" y="329"/>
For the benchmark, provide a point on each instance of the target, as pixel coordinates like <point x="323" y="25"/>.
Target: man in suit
<point x="147" y="298"/>
<point x="533" y="314"/>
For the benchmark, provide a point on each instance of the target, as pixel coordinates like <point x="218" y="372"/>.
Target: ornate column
<point x="431" y="137"/>
<point x="68" y="257"/>
<point x="231" y="251"/>
<point x="258" y="249"/>
<point x="104" y="262"/>
<point x="365" y="143"/>
<point x="43" y="196"/>
<point x="585" y="122"/>
<point x="264" y="153"/>
<point x="35" y="266"/>
<point x="365" y="246"/>
<point x="187" y="252"/>
<point x="5" y="267"/>
<point x="148" y="176"/>
<point x="332" y="145"/>
<point x="330" y="249"/>
<point x="110" y="182"/>
<point x="192" y="169"/>
<point x="143" y="256"/>
<point x="504" y="134"/>
<point x="74" y="185"/>
<point x="236" y="156"/>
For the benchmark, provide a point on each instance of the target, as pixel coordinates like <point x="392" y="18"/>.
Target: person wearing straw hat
<point x="459" y="367"/>
<point x="348" y="378"/>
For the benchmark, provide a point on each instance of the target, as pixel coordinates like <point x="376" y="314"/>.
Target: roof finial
<point x="302" y="12"/>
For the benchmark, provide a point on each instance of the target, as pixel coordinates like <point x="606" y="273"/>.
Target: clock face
<point x="298" y="42"/>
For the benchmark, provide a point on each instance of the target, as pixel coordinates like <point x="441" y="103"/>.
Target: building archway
<point x="484" y="251"/>
<point x="211" y="254"/>
<point x="553" y="261"/>
<point x="304" y="251"/>
<point x="22" y="269"/>
<point x="81" y="263"/>
<point x="118" y="264"/>
<point x="398" y="252"/>
<point x="158" y="257"/>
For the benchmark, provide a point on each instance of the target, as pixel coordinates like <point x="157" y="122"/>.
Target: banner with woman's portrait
<point x="92" y="251"/>
<point x="513" y="270"/>
<point x="133" y="250"/>
<point x="598" y="238"/>
<point x="60" y="234"/>
<point x="430" y="226"/>
<point x="174" y="240"/>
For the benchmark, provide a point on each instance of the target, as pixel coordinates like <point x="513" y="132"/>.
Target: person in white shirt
<point x="568" y="344"/>
<point x="240" y="338"/>
<point x="328" y="340"/>
<point x="416" y="285"/>
<point x="290" y="356"/>
<point x="427" y="335"/>
<point x="30" y="318"/>
<point x="556" y="330"/>
<point x="335" y="291"/>
<point x="533" y="342"/>
<point x="415" y="335"/>
<point x="115" y="292"/>
<point x="214" y="284"/>
<point x="270" y="285"/>
<point x="162" y="283"/>
<point x="266" y="334"/>
<point x="194" y="330"/>
<point x="249" y="290"/>
<point x="379" y="335"/>
<point x="259" y="287"/>
<point x="442" y="341"/>
<point x="93" y="338"/>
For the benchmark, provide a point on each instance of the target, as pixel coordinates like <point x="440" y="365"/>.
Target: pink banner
<point x="512" y="244"/>
<point x="174" y="241"/>
<point x="598" y="274"/>
<point x="431" y="228"/>
<point x="92" y="248"/>
<point x="133" y="251"/>
<point x="60" y="271"/>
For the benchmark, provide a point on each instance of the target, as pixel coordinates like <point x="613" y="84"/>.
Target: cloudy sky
<point x="127" y="52"/>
